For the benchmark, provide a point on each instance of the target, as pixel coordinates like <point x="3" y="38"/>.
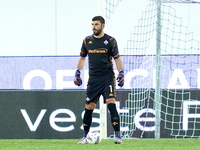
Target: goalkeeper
<point x="100" y="48"/>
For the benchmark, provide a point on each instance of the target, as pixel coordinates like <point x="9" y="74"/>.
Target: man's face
<point x="97" y="27"/>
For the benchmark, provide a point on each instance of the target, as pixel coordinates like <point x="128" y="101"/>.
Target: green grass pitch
<point x="128" y="144"/>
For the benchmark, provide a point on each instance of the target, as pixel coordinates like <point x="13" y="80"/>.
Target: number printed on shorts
<point x="110" y="88"/>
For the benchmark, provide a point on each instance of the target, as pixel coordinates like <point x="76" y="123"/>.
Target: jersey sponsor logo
<point x="101" y="50"/>
<point x="105" y="42"/>
<point x="90" y="42"/>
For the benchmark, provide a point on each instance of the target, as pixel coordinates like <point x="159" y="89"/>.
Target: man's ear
<point x="103" y="25"/>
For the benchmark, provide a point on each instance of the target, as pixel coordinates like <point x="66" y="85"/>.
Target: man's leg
<point x="114" y="119"/>
<point x="87" y="120"/>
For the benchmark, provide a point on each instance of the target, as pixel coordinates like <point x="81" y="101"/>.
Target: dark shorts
<point x="105" y="86"/>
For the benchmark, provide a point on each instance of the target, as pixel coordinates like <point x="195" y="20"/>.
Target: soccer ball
<point x="94" y="137"/>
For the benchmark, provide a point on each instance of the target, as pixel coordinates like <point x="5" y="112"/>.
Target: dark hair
<point x="99" y="18"/>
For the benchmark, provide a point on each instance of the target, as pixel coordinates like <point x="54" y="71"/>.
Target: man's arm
<point x="119" y="64"/>
<point x="78" y="80"/>
<point x="81" y="63"/>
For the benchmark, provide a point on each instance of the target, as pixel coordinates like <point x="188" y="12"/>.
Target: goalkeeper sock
<point x="114" y="117"/>
<point x="87" y="120"/>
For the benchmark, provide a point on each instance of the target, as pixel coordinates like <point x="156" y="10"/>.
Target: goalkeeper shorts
<point x="105" y="86"/>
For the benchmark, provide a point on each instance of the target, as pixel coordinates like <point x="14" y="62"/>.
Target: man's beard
<point x="97" y="32"/>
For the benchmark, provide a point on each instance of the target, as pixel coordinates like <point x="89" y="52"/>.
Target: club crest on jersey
<point x="105" y="42"/>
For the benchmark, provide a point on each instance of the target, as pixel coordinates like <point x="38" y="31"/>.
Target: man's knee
<point x="90" y="106"/>
<point x="110" y="100"/>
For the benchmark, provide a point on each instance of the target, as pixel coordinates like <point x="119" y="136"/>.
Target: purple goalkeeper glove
<point x="78" y="80"/>
<point x="120" y="78"/>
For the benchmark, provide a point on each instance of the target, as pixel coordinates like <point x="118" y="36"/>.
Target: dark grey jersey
<point x="100" y="52"/>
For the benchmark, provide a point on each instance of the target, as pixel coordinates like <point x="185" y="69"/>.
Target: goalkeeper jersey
<point x="100" y="52"/>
